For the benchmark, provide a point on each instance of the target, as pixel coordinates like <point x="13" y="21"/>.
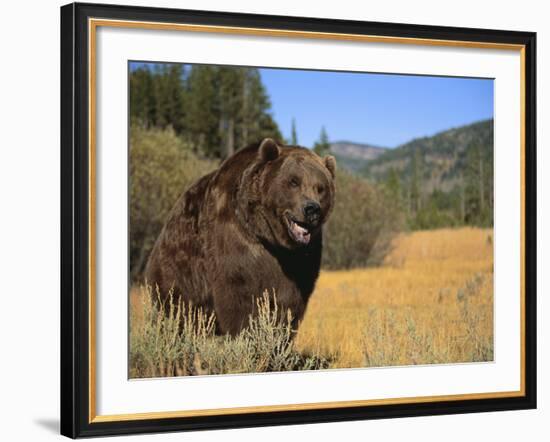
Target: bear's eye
<point x="320" y="189"/>
<point x="294" y="182"/>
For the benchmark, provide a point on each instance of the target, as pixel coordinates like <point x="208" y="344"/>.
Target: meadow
<point x="431" y="301"/>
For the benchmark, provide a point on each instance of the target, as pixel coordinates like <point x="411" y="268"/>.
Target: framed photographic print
<point x="275" y="220"/>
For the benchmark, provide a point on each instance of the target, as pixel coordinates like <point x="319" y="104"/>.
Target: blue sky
<point x="380" y="109"/>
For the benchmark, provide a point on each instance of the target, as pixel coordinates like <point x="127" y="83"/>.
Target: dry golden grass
<point x="432" y="302"/>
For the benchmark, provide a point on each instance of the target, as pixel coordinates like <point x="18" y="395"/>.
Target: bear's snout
<point x="312" y="212"/>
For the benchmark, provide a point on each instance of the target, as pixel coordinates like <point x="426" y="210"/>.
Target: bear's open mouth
<point x="298" y="231"/>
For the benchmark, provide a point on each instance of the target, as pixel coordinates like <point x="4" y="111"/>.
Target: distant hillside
<point x="355" y="156"/>
<point x="440" y="160"/>
<point x="438" y="181"/>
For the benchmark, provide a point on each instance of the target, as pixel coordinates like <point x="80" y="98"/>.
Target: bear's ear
<point x="330" y="163"/>
<point x="268" y="150"/>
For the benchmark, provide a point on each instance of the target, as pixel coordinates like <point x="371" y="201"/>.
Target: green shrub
<point x="362" y="226"/>
<point x="162" y="166"/>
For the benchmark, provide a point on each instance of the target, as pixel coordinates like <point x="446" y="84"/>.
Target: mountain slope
<point x="439" y="161"/>
<point x="355" y="156"/>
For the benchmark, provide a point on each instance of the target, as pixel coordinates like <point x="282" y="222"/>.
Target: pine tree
<point x="202" y="117"/>
<point x="293" y="134"/>
<point x="322" y="146"/>
<point x="462" y="185"/>
<point x="416" y="181"/>
<point x="175" y="112"/>
<point x="245" y="114"/>
<point x="393" y="186"/>
<point x="255" y="119"/>
<point x="230" y="85"/>
<point x="478" y="185"/>
<point x="142" y="100"/>
<point x="216" y="109"/>
<point x="161" y="95"/>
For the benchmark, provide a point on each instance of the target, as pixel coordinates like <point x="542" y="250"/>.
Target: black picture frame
<point x="75" y="220"/>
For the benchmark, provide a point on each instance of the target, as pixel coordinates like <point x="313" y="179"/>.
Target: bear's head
<point x="287" y="194"/>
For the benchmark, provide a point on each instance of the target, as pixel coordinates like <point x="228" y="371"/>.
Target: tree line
<point x="468" y="202"/>
<point x="216" y="109"/>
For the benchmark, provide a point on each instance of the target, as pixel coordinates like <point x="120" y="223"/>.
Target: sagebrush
<point x="183" y="341"/>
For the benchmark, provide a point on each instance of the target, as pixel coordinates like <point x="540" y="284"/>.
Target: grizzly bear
<point x="254" y="224"/>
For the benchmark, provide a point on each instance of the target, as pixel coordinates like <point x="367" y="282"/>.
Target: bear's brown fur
<point x="254" y="224"/>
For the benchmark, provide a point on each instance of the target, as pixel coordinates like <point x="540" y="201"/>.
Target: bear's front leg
<point x="233" y="306"/>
